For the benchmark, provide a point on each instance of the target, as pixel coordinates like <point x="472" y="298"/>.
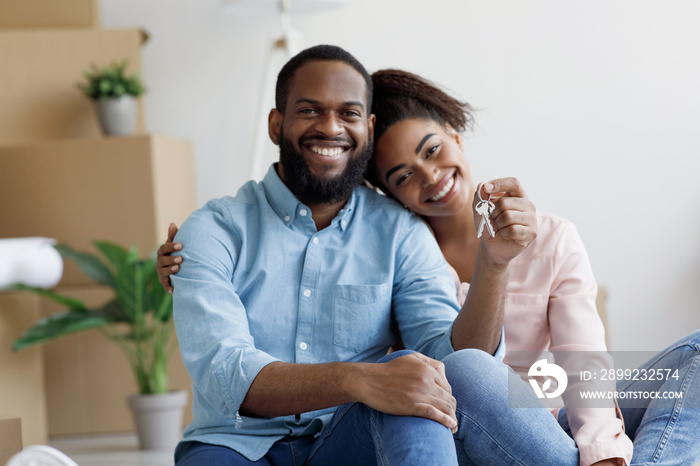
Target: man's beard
<point x="312" y="190"/>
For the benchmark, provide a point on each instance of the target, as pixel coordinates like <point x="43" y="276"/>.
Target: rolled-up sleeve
<point x="210" y="319"/>
<point x="424" y="299"/>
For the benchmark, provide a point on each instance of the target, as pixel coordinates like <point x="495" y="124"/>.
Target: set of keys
<point x="484" y="208"/>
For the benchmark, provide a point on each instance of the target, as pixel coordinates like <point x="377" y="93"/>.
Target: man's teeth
<point x="443" y="192"/>
<point x="326" y="151"/>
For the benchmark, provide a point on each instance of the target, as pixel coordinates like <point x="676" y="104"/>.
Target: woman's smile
<point x="443" y="189"/>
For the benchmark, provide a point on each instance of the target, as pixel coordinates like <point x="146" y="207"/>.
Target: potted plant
<point x="115" y="96"/>
<point x="138" y="319"/>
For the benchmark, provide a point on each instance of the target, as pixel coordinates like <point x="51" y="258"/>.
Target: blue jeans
<point x="288" y="451"/>
<point x="355" y="435"/>
<point x="667" y="431"/>
<point x="663" y="432"/>
<point x="489" y="431"/>
<point x="358" y="435"/>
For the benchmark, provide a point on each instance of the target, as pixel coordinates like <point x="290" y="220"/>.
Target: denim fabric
<point x="358" y="435"/>
<point x="355" y="436"/>
<point x="664" y="432"/>
<point x="667" y="431"/>
<point x="260" y="284"/>
<point x="288" y="452"/>
<point x="491" y="432"/>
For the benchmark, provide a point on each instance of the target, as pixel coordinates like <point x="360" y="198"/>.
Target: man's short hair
<point x="317" y="53"/>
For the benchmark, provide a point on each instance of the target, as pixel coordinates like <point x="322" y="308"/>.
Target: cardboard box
<point x="49" y="14"/>
<point x="122" y="189"/>
<point x="88" y="377"/>
<point x="39" y="98"/>
<point x="21" y="374"/>
<point x="10" y="436"/>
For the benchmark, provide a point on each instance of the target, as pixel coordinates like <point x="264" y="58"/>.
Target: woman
<point x="551" y="289"/>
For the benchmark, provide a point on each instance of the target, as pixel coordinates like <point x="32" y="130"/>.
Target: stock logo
<point x="548" y="371"/>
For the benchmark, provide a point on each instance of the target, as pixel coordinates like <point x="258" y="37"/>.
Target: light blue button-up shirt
<point x="260" y="284"/>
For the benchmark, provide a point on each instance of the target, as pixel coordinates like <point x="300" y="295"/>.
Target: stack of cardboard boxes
<point x="22" y="400"/>
<point x="60" y="178"/>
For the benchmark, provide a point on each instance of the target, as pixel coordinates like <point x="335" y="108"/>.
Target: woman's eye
<point x="402" y="178"/>
<point x="432" y="150"/>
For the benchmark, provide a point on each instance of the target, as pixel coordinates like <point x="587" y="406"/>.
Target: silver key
<point x="484" y="208"/>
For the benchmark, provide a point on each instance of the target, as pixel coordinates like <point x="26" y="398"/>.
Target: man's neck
<point x="323" y="214"/>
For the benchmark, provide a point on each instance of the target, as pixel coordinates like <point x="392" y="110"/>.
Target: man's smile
<point x="326" y="150"/>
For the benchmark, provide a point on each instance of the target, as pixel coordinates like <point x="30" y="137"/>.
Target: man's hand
<point x="514" y="219"/>
<point x="167" y="264"/>
<point x="411" y="385"/>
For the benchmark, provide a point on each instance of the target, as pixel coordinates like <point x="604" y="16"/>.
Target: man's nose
<point x="330" y="124"/>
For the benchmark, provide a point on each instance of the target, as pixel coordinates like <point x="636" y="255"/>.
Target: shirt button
<point x="303" y="345"/>
<point x="315" y="240"/>
<point x="307" y="293"/>
<point x="303" y="212"/>
<point x="287" y="218"/>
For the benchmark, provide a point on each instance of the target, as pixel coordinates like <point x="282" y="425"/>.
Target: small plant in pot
<point x="138" y="319"/>
<point x="115" y="96"/>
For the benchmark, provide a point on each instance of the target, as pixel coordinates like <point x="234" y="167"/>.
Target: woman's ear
<point x="274" y="126"/>
<point x="455" y="135"/>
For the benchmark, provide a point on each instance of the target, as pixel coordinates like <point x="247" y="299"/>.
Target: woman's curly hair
<point x="400" y="95"/>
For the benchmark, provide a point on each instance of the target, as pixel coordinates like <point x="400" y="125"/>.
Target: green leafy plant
<point x="110" y="82"/>
<point x="138" y="319"/>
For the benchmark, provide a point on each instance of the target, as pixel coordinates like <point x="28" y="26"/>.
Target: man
<point x="290" y="292"/>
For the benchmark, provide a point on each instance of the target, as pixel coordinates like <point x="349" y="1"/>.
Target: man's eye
<point x="308" y="111"/>
<point x="353" y="114"/>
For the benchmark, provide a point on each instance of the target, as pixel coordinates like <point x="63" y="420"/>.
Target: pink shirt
<point x="550" y="306"/>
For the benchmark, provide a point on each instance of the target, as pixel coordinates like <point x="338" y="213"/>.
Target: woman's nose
<point x="431" y="175"/>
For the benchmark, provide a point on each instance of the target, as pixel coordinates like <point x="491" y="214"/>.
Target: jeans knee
<point x="473" y="371"/>
<point x="693" y="339"/>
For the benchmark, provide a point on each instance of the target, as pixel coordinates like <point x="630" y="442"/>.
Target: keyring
<point x="478" y="193"/>
<point x="484" y="208"/>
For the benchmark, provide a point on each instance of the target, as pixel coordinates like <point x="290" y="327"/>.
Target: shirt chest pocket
<point x="361" y="316"/>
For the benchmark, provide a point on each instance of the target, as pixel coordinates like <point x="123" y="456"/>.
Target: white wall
<point x="594" y="105"/>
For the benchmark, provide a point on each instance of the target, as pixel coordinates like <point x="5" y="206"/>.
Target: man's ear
<point x="274" y="126"/>
<point x="370" y="126"/>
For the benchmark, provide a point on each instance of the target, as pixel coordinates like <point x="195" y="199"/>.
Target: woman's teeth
<point x="333" y="151"/>
<point x="443" y="192"/>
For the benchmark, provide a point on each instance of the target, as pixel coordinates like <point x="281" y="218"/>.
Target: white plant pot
<point x="117" y="116"/>
<point x="158" y="419"/>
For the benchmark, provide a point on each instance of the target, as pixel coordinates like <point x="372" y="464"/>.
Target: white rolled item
<point x="31" y="261"/>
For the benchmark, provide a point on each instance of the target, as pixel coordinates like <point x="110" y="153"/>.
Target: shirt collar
<point x="347" y="212"/>
<point x="286" y="205"/>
